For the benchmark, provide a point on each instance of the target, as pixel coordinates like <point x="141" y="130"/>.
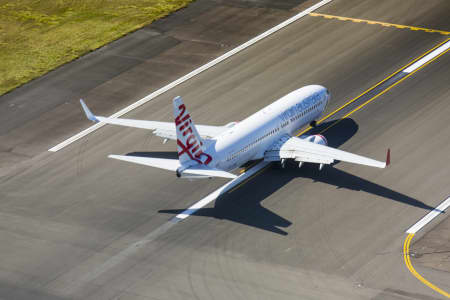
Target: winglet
<point x="88" y="113"/>
<point x="388" y="157"/>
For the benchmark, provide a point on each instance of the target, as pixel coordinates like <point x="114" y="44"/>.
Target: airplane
<point x="215" y="151"/>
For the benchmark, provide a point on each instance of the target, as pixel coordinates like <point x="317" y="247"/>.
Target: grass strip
<point x="37" y="36"/>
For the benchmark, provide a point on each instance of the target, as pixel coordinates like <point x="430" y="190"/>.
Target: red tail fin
<point x="388" y="157"/>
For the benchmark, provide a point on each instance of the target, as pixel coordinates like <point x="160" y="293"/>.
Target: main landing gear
<point x="313" y="124"/>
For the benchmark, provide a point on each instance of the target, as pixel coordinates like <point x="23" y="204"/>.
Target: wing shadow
<point x="342" y="179"/>
<point x="244" y="204"/>
<point x="156" y="154"/>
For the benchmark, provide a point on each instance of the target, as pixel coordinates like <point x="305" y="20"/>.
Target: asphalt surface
<point x="433" y="249"/>
<point x="76" y="225"/>
<point x="46" y="110"/>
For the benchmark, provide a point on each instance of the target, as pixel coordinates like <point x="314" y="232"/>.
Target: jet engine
<point x="317" y="139"/>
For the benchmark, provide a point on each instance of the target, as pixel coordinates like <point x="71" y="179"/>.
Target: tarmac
<point x="77" y="225"/>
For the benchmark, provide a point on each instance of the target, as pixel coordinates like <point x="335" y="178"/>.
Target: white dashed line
<point x="213" y="196"/>
<point x="190" y="75"/>
<point x="430" y="216"/>
<point x="427" y="58"/>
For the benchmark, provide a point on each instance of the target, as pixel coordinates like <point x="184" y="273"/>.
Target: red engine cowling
<point x="317" y="139"/>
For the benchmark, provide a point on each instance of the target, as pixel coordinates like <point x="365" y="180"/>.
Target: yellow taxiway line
<point x="373" y="87"/>
<point x="410" y="236"/>
<point x="388" y="88"/>
<point x="380" y="23"/>
<point x="353" y="100"/>
<point x="410" y="267"/>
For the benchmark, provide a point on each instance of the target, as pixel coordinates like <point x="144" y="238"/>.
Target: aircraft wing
<point x="304" y="151"/>
<point x="162" y="129"/>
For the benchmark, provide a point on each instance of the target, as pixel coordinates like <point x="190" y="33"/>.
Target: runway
<point x="77" y="225"/>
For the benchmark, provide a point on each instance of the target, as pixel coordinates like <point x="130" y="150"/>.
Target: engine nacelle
<point x="316" y="139"/>
<point x="180" y="174"/>
<point x="231" y="124"/>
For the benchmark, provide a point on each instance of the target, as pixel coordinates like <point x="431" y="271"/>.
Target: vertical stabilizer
<point x="189" y="143"/>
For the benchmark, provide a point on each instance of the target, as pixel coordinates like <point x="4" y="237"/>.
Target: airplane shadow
<point x="156" y="154"/>
<point x="243" y="205"/>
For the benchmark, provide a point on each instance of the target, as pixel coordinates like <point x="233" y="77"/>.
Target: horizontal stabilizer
<point x="196" y="171"/>
<point x="161" y="163"/>
<point x="208" y="172"/>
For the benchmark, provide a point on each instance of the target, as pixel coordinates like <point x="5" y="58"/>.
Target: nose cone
<point x="316" y="87"/>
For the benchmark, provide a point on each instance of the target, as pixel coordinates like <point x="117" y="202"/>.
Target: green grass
<point x="37" y="36"/>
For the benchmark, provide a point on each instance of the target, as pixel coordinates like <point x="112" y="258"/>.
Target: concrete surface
<point x="76" y="225"/>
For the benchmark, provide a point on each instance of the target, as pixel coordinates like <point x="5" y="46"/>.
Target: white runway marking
<point x="427" y="57"/>
<point x="213" y="196"/>
<point x="151" y="236"/>
<point x="190" y="75"/>
<point x="430" y="216"/>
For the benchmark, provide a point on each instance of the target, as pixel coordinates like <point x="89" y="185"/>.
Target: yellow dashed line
<point x="410" y="267"/>
<point x="379" y="23"/>
<point x="353" y="100"/>
<point x="249" y="167"/>
<point x="385" y="90"/>
<point x="248" y="179"/>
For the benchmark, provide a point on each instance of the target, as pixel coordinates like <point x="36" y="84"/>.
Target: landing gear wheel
<point x="313" y="124"/>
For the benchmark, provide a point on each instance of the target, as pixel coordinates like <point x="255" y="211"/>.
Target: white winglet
<point x="88" y="113"/>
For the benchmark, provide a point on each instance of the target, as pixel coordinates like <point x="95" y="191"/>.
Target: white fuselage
<point x="250" y="138"/>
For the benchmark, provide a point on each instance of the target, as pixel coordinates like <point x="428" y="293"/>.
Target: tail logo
<point x="192" y="147"/>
